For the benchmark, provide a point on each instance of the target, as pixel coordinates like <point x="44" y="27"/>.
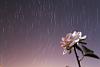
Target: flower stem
<point x="77" y="57"/>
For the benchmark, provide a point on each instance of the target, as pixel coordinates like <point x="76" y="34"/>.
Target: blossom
<point x="70" y="40"/>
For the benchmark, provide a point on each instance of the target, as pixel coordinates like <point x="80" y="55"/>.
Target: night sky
<point x="31" y="31"/>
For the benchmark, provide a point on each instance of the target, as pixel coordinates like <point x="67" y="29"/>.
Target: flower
<point x="70" y="40"/>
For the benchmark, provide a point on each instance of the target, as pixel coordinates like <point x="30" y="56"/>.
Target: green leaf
<point x="82" y="39"/>
<point x="82" y="42"/>
<point x="92" y="55"/>
<point x="79" y="48"/>
<point x="87" y="50"/>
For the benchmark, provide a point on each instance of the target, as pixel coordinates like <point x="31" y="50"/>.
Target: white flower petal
<point x="84" y="37"/>
<point x="80" y="34"/>
<point x="63" y="39"/>
<point x="64" y="52"/>
<point x="68" y="36"/>
<point x="63" y="43"/>
<point x="76" y="37"/>
<point x="72" y="43"/>
<point x="74" y="33"/>
<point x="77" y="40"/>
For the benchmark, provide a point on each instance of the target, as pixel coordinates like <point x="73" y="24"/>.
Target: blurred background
<point x="31" y="31"/>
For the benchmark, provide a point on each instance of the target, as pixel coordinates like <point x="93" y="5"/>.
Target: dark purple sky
<point x="30" y="31"/>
